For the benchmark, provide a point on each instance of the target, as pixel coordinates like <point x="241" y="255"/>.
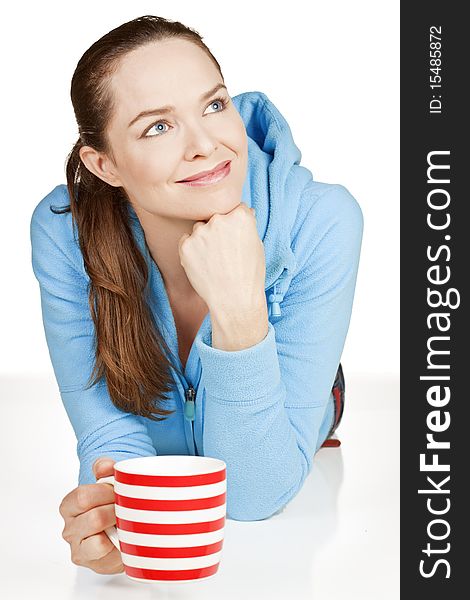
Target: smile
<point x="209" y="179"/>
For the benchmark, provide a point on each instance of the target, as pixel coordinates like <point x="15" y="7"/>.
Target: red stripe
<point x="187" y="552"/>
<point x="179" y="575"/>
<point x="170" y="528"/>
<point x="170" y="480"/>
<point x="193" y="504"/>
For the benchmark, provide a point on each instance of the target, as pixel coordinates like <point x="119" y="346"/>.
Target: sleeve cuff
<point x="240" y="375"/>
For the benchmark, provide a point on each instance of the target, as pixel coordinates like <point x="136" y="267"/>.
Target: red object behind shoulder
<point x="331" y="444"/>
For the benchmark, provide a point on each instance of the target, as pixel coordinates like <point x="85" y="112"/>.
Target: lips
<point x="205" y="174"/>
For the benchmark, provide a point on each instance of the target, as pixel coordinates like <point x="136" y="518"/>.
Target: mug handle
<point x="111" y="532"/>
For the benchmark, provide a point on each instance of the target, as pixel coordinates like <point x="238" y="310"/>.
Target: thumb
<point x="181" y="240"/>
<point x="103" y="467"/>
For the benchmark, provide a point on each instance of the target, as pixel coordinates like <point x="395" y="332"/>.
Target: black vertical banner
<point x="434" y="262"/>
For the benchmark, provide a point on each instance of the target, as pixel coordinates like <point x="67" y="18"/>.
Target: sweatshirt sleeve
<point x="101" y="429"/>
<point x="265" y="404"/>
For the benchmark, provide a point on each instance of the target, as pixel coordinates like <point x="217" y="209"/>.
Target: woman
<point x="220" y="305"/>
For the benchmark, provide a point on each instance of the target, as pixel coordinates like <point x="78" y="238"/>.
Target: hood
<point x="273" y="187"/>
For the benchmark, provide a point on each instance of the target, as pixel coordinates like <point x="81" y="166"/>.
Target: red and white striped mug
<point x="170" y="516"/>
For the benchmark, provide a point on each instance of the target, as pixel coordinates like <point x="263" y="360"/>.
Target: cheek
<point x="146" y="166"/>
<point x="237" y="136"/>
<point x="240" y="131"/>
<point x="241" y="147"/>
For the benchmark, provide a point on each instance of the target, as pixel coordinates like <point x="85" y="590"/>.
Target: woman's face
<point x="153" y="152"/>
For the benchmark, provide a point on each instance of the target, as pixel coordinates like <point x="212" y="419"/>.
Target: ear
<point x="100" y="165"/>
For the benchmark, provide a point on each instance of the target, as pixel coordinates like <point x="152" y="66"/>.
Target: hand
<point x="224" y="261"/>
<point x="87" y="511"/>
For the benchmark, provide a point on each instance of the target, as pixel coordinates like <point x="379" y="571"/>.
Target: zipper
<point x="190" y="409"/>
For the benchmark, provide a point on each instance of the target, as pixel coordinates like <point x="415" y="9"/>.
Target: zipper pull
<point x="189" y="407"/>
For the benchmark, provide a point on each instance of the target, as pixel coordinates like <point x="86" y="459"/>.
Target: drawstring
<point x="275" y="299"/>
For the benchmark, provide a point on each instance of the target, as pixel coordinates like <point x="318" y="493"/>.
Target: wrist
<point x="237" y="328"/>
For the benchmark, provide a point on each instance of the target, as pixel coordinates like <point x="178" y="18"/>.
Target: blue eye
<point x="157" y="124"/>
<point x="222" y="101"/>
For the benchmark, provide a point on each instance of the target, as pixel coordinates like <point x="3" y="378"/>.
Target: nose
<point x="199" y="140"/>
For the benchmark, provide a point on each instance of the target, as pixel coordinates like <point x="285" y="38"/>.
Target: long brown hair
<point x="130" y="350"/>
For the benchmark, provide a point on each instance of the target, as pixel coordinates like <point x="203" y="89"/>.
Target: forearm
<point x="268" y="449"/>
<point x="257" y="442"/>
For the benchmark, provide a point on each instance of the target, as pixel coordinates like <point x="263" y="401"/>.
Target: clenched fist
<point x="224" y="260"/>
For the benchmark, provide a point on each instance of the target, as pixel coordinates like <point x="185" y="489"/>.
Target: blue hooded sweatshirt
<point x="265" y="410"/>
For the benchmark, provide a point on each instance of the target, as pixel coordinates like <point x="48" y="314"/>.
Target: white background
<point x="332" y="69"/>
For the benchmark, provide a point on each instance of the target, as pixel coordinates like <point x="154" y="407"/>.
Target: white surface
<point x="337" y="539"/>
<point x="332" y="69"/>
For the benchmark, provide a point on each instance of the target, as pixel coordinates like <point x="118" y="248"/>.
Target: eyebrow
<point x="168" y="108"/>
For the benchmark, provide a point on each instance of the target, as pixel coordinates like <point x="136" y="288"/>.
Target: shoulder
<point x="328" y="216"/>
<point x="44" y="217"/>
<point x="52" y="231"/>
<point x="49" y="226"/>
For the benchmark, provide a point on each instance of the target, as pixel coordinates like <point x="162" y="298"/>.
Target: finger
<point x="111" y="563"/>
<point x="181" y="240"/>
<point x="96" y="547"/>
<point x="85" y="497"/>
<point x="94" y="521"/>
<point x="198" y="224"/>
<point x="103" y="467"/>
<point x="248" y="209"/>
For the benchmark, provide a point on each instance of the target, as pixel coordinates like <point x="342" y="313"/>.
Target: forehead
<point x="168" y="72"/>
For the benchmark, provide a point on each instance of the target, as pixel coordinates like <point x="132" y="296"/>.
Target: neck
<point x="162" y="236"/>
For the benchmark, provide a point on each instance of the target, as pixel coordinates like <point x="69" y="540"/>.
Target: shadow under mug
<point x="170" y="516"/>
